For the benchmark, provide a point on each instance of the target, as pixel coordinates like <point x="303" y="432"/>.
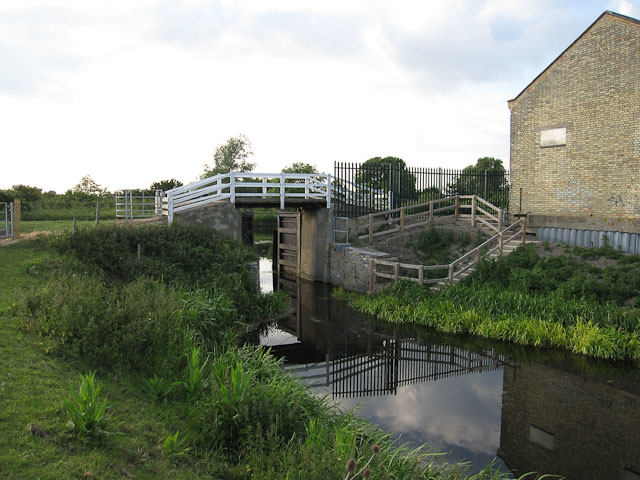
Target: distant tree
<point x="26" y="194"/>
<point x="300" y="167"/>
<point x="231" y="157"/>
<point x="388" y="174"/>
<point x="88" y="186"/>
<point x="487" y="179"/>
<point x="165" y="185"/>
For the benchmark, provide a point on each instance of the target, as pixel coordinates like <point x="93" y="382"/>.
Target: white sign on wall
<point x="554" y="137"/>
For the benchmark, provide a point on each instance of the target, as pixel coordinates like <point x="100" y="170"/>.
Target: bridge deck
<point x="271" y="202"/>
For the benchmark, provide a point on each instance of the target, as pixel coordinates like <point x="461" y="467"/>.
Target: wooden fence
<point x="398" y="220"/>
<point x="395" y="271"/>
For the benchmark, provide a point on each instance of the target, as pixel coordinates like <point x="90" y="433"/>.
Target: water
<point x="530" y="410"/>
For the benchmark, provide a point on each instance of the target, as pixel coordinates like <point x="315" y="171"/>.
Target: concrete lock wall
<point x="223" y="216"/>
<point x="575" y="134"/>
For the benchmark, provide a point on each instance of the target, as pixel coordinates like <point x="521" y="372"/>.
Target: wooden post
<point x="431" y="210"/>
<point x="524" y="231"/>
<point x="500" y="243"/>
<point x="500" y="223"/>
<point x="139" y="252"/>
<point x="421" y="275"/>
<point x="371" y="275"/>
<point x="396" y="271"/>
<point x="97" y="213"/>
<point x="73" y="230"/>
<point x="402" y="220"/>
<point x="474" y="205"/>
<point x="457" y="210"/>
<point x="370" y="228"/>
<point x="17" y="215"/>
<point x="451" y="273"/>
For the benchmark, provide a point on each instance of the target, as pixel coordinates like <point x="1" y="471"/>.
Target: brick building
<point x="575" y="137"/>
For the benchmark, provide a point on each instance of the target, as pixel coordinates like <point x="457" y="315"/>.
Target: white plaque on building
<point x="554" y="137"/>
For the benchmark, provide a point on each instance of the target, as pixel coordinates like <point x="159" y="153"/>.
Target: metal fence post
<point x="457" y="207"/>
<point x="474" y="206"/>
<point x="282" y="190"/>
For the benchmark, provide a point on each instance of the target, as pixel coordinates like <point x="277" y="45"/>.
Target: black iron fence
<point x="361" y="189"/>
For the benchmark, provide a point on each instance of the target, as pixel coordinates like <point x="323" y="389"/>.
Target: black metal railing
<point x="361" y="189"/>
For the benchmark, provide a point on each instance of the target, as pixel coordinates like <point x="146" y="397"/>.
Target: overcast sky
<point x="135" y="91"/>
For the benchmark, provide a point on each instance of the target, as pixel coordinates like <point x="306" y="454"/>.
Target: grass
<point x="201" y="406"/>
<point x="530" y="300"/>
<point x="57" y="226"/>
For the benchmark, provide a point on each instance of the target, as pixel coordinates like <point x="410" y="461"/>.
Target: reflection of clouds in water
<point x="266" y="275"/>
<point x="458" y="411"/>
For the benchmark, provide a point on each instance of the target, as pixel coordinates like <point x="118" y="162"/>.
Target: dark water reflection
<point x="543" y="411"/>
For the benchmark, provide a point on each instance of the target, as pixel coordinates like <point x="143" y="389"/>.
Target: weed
<point x="158" y="387"/>
<point x="197" y="380"/>
<point x="86" y="411"/>
<point x="174" y="447"/>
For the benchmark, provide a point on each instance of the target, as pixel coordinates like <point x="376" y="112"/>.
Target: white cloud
<point x="132" y="92"/>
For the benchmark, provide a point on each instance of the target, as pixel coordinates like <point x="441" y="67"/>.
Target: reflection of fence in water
<point x="394" y="364"/>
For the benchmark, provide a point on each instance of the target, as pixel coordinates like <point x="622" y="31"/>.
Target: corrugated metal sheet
<point x="627" y="242"/>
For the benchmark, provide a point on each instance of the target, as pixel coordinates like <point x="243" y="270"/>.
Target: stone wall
<point x="592" y="92"/>
<point x="223" y="216"/>
<point x="349" y="266"/>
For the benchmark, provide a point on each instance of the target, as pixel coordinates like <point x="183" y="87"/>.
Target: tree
<point x="300" y="167"/>
<point x="88" y="186"/>
<point x="487" y="179"/>
<point x="231" y="157"/>
<point x="165" y="185"/>
<point x="388" y="174"/>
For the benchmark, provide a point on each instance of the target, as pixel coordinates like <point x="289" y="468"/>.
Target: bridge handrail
<point x="233" y="184"/>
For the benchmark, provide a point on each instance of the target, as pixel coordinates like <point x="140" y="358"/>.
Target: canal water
<point x="477" y="401"/>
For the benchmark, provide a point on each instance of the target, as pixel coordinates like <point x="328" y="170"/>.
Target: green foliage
<point x="174" y="447"/>
<point x="231" y="157"/>
<point x="389" y="174"/>
<point x="197" y="379"/>
<point x="191" y="255"/>
<point x="251" y="399"/>
<point x="300" y="167"/>
<point x="86" y="410"/>
<point x="487" y="179"/>
<point x="158" y="387"/>
<point x="165" y="185"/>
<point x="88" y="186"/>
<point x="529" y="300"/>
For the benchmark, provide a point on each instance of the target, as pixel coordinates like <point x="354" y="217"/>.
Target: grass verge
<point x="524" y="298"/>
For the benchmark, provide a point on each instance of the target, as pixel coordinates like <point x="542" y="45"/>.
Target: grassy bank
<point x="183" y="399"/>
<point x="585" y="300"/>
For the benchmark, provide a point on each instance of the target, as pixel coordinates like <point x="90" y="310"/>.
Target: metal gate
<point x="144" y="205"/>
<point x="6" y="220"/>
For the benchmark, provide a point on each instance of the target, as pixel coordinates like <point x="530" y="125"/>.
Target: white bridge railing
<point x="234" y="185"/>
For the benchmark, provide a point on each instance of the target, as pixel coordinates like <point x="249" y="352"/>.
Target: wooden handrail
<point x="452" y="273"/>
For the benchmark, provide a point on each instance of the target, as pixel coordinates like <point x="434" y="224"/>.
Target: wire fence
<point x="361" y="189"/>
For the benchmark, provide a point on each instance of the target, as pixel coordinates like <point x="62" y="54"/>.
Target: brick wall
<point x="592" y="90"/>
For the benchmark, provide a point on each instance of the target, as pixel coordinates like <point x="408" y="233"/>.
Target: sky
<point x="132" y="92"/>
